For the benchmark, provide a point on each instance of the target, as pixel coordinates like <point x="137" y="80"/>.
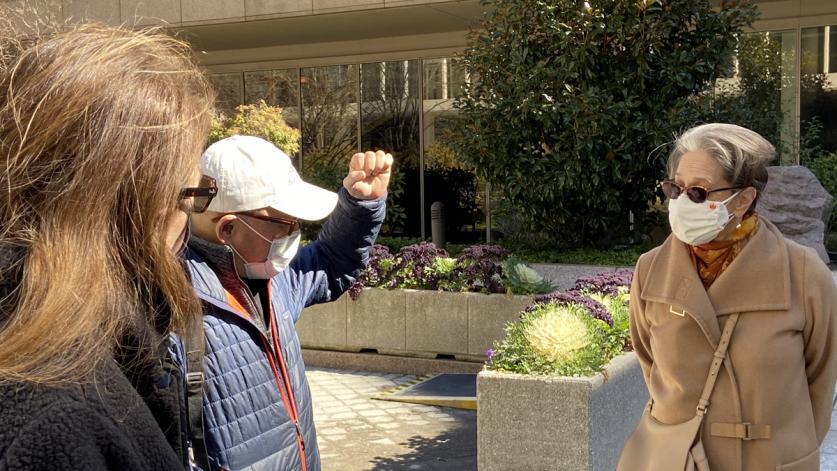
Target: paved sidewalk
<point x="358" y="433"/>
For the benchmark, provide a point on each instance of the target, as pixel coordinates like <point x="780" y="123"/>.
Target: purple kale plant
<point x="485" y="251"/>
<point x="376" y="272"/>
<point x="481" y="268"/>
<point x="412" y="267"/>
<point x="596" y="309"/>
<point x="606" y="282"/>
<point x="422" y="266"/>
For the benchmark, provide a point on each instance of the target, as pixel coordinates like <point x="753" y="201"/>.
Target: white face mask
<point x="281" y="252"/>
<point x="698" y="223"/>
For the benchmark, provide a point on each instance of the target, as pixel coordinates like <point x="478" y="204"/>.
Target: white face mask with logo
<point x="698" y="223"/>
<point x="279" y="256"/>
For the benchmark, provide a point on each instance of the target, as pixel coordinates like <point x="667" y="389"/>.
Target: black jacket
<point x="126" y="416"/>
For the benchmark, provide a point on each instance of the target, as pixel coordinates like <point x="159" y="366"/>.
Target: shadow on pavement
<point x="453" y="449"/>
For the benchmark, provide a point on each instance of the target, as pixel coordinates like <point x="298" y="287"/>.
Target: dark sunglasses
<point x="201" y="195"/>
<point x="698" y="194"/>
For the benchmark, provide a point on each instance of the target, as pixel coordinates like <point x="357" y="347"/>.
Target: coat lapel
<point x="759" y="277"/>
<point x="673" y="280"/>
<point x="757" y="280"/>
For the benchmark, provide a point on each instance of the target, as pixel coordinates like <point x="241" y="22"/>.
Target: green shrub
<point x="825" y="168"/>
<point x="574" y="97"/>
<point x="831" y="240"/>
<point x="260" y="120"/>
<point x="549" y="253"/>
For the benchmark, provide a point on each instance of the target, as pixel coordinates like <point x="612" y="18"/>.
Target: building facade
<point x="364" y="74"/>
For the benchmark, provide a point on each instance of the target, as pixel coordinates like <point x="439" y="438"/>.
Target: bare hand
<point x="369" y="175"/>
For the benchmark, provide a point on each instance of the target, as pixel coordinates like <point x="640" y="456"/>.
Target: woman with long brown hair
<point x="100" y="134"/>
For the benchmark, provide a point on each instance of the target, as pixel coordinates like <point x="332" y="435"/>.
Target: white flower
<point x="558" y="334"/>
<point x="527" y="275"/>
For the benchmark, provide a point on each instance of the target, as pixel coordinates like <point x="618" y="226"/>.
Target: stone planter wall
<point x="557" y="423"/>
<point x="411" y="323"/>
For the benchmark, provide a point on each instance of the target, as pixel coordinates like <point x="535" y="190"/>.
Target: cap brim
<point x="306" y="202"/>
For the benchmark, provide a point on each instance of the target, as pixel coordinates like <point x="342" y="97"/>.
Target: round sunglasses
<point x="696" y="193"/>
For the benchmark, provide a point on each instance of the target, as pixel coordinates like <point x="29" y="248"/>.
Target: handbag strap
<point x="717" y="361"/>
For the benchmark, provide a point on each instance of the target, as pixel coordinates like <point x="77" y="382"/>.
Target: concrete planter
<point x="377" y="320"/>
<point x="411" y="323"/>
<point x="558" y="423"/>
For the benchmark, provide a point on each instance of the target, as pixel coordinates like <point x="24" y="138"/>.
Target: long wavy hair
<point x="100" y="128"/>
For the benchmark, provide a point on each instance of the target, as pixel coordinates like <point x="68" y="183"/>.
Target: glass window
<point x="818" y="93"/>
<point x="329" y="123"/>
<point x="443" y="79"/>
<point x="446" y="179"/>
<point x="813" y="42"/>
<point x="390" y="122"/>
<point x="230" y="88"/>
<point x="761" y="94"/>
<point x="277" y="88"/>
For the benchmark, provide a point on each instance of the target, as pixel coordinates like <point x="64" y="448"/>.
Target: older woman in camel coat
<point x="771" y="407"/>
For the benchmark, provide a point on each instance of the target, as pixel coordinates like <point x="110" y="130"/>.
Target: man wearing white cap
<point x="243" y="259"/>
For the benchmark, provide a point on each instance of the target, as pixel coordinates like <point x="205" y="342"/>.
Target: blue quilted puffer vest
<point x="247" y="423"/>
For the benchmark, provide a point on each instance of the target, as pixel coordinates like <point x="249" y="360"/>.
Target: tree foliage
<point x="260" y="120"/>
<point x="569" y="100"/>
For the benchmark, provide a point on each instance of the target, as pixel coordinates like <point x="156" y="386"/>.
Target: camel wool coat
<point x="772" y="403"/>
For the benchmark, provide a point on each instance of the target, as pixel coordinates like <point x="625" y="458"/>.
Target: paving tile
<point x="828" y="462"/>
<point x="829" y="445"/>
<point x="333" y="431"/>
<point x="418" y="422"/>
<point x="367" y="431"/>
<point x="379" y="420"/>
<point x="383" y="441"/>
<point x="344" y="415"/>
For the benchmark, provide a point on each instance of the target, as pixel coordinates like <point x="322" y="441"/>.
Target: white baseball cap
<point x="252" y="173"/>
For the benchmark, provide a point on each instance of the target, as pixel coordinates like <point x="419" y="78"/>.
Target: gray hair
<point x="742" y="154"/>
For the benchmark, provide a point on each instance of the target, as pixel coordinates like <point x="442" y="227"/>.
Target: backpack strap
<point x="717" y="360"/>
<point x="195" y="345"/>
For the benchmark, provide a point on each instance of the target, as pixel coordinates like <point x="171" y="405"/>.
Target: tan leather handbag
<point x="654" y="446"/>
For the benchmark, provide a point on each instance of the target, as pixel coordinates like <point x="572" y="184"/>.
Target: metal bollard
<point x="437" y="224"/>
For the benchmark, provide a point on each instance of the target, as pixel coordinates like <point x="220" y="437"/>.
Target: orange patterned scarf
<point x="711" y="259"/>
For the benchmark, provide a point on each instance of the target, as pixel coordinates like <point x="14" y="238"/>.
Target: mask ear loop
<point x="724" y="202"/>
